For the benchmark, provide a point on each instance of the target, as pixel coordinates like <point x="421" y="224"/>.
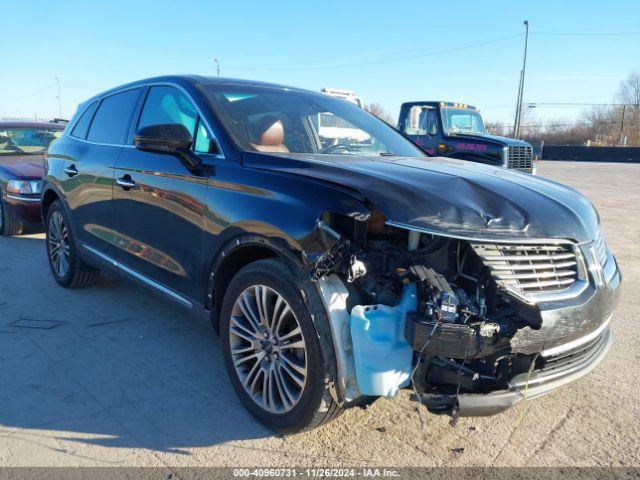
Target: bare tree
<point x="630" y="90"/>
<point x="497" y="128"/>
<point x="630" y="120"/>
<point x="380" y="112"/>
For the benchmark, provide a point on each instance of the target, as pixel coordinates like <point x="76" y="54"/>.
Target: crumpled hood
<point x="23" y="166"/>
<point x="450" y="196"/>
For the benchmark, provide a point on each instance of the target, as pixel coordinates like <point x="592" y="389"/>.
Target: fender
<point x="309" y="292"/>
<point x="50" y="187"/>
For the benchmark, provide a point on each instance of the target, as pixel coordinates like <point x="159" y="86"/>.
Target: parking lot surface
<point x="114" y="376"/>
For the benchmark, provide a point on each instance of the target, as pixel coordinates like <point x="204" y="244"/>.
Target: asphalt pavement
<point x="115" y="376"/>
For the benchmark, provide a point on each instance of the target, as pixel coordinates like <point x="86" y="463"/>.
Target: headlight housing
<point x="24" y="187"/>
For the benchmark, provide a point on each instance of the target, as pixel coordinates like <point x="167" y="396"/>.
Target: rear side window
<point x="82" y="125"/>
<point x="111" y="122"/>
<point x="168" y="105"/>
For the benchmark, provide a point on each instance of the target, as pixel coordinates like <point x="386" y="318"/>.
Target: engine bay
<point x="455" y="336"/>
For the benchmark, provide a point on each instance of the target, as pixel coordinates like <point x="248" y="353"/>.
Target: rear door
<point x="87" y="179"/>
<point x="160" y="217"/>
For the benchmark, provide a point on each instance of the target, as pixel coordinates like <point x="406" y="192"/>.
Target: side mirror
<point x="170" y="138"/>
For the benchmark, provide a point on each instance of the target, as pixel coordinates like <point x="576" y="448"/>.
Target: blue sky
<point x="389" y="52"/>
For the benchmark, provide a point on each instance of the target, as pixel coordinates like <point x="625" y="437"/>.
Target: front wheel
<point x="271" y="349"/>
<point x="68" y="269"/>
<point x="9" y="225"/>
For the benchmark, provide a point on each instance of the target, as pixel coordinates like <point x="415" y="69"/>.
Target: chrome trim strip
<point x="554" y="241"/>
<point x="592" y="359"/>
<point x="578" y="341"/>
<point x="23" y="199"/>
<point x="475" y="404"/>
<point x="139" y="276"/>
<point x="101" y="144"/>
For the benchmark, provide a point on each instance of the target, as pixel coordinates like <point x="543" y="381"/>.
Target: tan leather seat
<point x="272" y="137"/>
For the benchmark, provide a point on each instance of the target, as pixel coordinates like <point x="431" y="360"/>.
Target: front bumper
<point x="538" y="384"/>
<point x="574" y="338"/>
<point x="24" y="207"/>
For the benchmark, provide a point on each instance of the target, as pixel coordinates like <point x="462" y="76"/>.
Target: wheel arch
<point x="230" y="259"/>
<point x="248" y="248"/>
<point x="49" y="196"/>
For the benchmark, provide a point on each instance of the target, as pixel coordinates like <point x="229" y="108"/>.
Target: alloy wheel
<point x="58" y="241"/>
<point x="268" y="349"/>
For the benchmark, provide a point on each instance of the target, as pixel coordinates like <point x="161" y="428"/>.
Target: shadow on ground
<point x="112" y="365"/>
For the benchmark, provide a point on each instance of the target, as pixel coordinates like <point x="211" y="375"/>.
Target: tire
<point x="9" y="225"/>
<point x="290" y="407"/>
<point x="68" y="269"/>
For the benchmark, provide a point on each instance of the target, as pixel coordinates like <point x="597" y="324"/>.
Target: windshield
<point x="275" y="120"/>
<point x="457" y="120"/>
<point x="30" y="141"/>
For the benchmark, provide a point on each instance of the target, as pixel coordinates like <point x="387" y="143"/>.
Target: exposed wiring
<point x="523" y="403"/>
<point x="415" y="369"/>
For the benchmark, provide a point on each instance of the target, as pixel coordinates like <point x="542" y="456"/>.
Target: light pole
<point x="516" y="123"/>
<point x="217" y="65"/>
<point x="58" y="97"/>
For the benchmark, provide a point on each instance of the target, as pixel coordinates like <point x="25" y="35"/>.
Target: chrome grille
<point x="520" y="158"/>
<point x="530" y="268"/>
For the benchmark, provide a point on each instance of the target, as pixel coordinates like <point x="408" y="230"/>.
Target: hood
<point x="23" y="166"/>
<point x="449" y="196"/>
<point x="504" y="141"/>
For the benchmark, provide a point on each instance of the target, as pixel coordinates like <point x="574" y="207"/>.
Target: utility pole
<point x="624" y="108"/>
<point x="516" y="123"/>
<point x="58" y="97"/>
<point x="217" y="65"/>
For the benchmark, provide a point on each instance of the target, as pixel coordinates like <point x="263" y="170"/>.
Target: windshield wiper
<point x="387" y="154"/>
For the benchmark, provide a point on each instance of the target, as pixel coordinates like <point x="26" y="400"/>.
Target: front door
<point x="421" y="126"/>
<point x="159" y="204"/>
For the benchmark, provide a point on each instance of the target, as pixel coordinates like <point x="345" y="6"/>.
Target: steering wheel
<point x="335" y="148"/>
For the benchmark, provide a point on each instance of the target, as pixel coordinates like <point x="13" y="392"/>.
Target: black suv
<point x="336" y="270"/>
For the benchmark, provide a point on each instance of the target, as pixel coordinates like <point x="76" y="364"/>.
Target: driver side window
<point x="421" y="120"/>
<point x="428" y="121"/>
<point x="166" y="104"/>
<point x="203" y="142"/>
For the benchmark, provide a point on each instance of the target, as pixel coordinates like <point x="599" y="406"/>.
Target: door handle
<point x="71" y="170"/>
<point x="126" y="183"/>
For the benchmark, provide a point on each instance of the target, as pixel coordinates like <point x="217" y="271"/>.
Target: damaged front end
<point x="469" y="325"/>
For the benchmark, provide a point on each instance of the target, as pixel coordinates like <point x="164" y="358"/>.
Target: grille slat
<point x="526" y="276"/>
<point x="551" y="283"/>
<point x="520" y="158"/>
<point x="529" y="258"/>
<point x="498" y="267"/>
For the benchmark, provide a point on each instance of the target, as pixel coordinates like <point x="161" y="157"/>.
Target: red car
<point x="22" y="149"/>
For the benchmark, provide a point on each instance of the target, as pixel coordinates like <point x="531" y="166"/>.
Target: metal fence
<point x="591" y="154"/>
